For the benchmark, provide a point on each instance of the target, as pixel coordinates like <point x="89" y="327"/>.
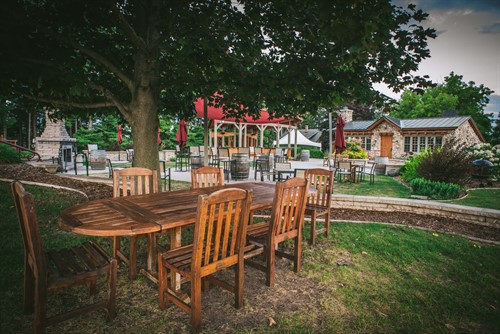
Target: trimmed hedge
<point x="435" y="189"/>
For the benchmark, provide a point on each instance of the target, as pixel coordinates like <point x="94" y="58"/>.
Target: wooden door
<point x="386" y="146"/>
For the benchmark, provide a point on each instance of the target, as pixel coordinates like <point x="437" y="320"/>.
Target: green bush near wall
<point x="435" y="189"/>
<point x="8" y="155"/>
<point x="313" y="152"/>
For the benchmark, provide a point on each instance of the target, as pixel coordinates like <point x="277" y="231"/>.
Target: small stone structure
<point x="55" y="142"/>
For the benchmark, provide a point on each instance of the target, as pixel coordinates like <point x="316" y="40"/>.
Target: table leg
<point x="175" y="242"/>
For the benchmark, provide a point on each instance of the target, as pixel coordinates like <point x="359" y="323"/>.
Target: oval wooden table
<point x="147" y="214"/>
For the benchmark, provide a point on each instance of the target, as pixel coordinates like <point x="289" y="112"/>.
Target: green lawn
<point x="384" y="186"/>
<point x="483" y="198"/>
<point x="364" y="278"/>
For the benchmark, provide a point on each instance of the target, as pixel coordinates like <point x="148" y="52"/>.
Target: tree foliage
<point x="145" y="58"/>
<point x="454" y="94"/>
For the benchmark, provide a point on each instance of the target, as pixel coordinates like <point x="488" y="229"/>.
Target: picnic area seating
<point x="369" y="170"/>
<point x="46" y="272"/>
<point x="321" y="203"/>
<point x="130" y="182"/>
<point x="207" y="176"/>
<point x="218" y="245"/>
<point x="344" y="170"/>
<point x="287" y="218"/>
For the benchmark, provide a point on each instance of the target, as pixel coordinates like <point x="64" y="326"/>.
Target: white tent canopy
<point x="301" y="140"/>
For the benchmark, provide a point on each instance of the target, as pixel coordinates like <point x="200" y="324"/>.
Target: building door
<point x="386" y="145"/>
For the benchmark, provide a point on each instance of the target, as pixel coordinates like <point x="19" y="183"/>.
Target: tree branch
<point x="93" y="105"/>
<point x="110" y="96"/>
<point x="92" y="54"/>
<point x="127" y="28"/>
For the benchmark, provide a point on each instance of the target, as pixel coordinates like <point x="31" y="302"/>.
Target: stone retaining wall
<point x="487" y="217"/>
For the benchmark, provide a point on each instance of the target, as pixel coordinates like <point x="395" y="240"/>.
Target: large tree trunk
<point x="145" y="133"/>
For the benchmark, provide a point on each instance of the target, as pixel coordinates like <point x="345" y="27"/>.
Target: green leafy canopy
<point x="146" y="58"/>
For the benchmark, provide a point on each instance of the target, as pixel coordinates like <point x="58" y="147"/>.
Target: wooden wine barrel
<point x="240" y="166"/>
<point x="304" y="155"/>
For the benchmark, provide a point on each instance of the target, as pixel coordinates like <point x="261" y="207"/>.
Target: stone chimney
<point x="306" y="128"/>
<point x="55" y="141"/>
<point x="346" y="114"/>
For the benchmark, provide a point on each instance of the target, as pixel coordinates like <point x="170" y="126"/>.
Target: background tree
<point x="144" y="58"/>
<point x="454" y="94"/>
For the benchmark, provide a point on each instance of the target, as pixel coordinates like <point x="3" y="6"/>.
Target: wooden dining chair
<point x="287" y="219"/>
<point x="130" y="182"/>
<point x="219" y="238"/>
<point x="46" y="272"/>
<point x="320" y="203"/>
<point x="207" y="176"/>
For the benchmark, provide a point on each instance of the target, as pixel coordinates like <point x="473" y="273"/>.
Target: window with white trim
<point x="365" y="141"/>
<point x="417" y="144"/>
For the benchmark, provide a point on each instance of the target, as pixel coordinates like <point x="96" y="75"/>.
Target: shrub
<point x="449" y="164"/>
<point x="435" y="190"/>
<point x="8" y="155"/>
<point x="409" y="169"/>
<point x="486" y="151"/>
<point x="354" y="150"/>
<point x="313" y="152"/>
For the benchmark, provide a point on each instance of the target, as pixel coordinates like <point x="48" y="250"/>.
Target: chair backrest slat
<point x="134" y="181"/>
<point x="220" y="228"/>
<point x="322" y="181"/>
<point x="288" y="208"/>
<point x="30" y="230"/>
<point x="207" y="176"/>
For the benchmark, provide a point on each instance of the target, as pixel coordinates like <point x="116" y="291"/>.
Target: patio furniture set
<point x="225" y="236"/>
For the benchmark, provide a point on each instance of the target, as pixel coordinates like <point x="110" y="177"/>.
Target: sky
<point x="468" y="43"/>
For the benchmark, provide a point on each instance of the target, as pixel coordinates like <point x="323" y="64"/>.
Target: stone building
<point x="397" y="138"/>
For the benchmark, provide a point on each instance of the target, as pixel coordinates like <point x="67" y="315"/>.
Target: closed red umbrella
<point x="159" y="138"/>
<point x="120" y="134"/>
<point x="339" y="135"/>
<point x="182" y="134"/>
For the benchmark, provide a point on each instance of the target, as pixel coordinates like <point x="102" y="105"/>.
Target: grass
<point x="483" y="198"/>
<point x="365" y="278"/>
<point x="384" y="186"/>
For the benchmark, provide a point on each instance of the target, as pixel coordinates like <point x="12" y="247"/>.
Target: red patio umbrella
<point x="339" y="136"/>
<point x="120" y="134"/>
<point x="159" y="138"/>
<point x="182" y="134"/>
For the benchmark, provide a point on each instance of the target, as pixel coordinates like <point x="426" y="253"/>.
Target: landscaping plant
<point x="435" y="189"/>
<point x="8" y="155"/>
<point x="449" y="164"/>
<point x="409" y="170"/>
<point x="354" y="150"/>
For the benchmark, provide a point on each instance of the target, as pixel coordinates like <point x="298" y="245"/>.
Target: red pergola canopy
<point x="218" y="114"/>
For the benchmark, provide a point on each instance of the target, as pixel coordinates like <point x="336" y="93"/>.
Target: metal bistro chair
<point x="368" y="170"/>
<point x="287" y="219"/>
<point x="321" y="203"/>
<point x="130" y="182"/>
<point x="46" y="272"/>
<point x="344" y="170"/>
<point x="207" y="176"/>
<point x="219" y="239"/>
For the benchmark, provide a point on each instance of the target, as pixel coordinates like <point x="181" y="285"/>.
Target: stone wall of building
<point x="465" y="134"/>
<point x="397" y="140"/>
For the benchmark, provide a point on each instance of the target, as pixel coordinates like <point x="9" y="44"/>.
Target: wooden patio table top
<point x="143" y="214"/>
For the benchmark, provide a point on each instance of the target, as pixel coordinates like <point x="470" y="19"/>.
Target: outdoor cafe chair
<point x="344" y="170"/>
<point x="207" y="176"/>
<point x="244" y="150"/>
<point x="218" y="244"/>
<point x="265" y="166"/>
<point x="368" y="170"/>
<point x="50" y="271"/>
<point x="130" y="182"/>
<point x="287" y="219"/>
<point x="321" y="203"/>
